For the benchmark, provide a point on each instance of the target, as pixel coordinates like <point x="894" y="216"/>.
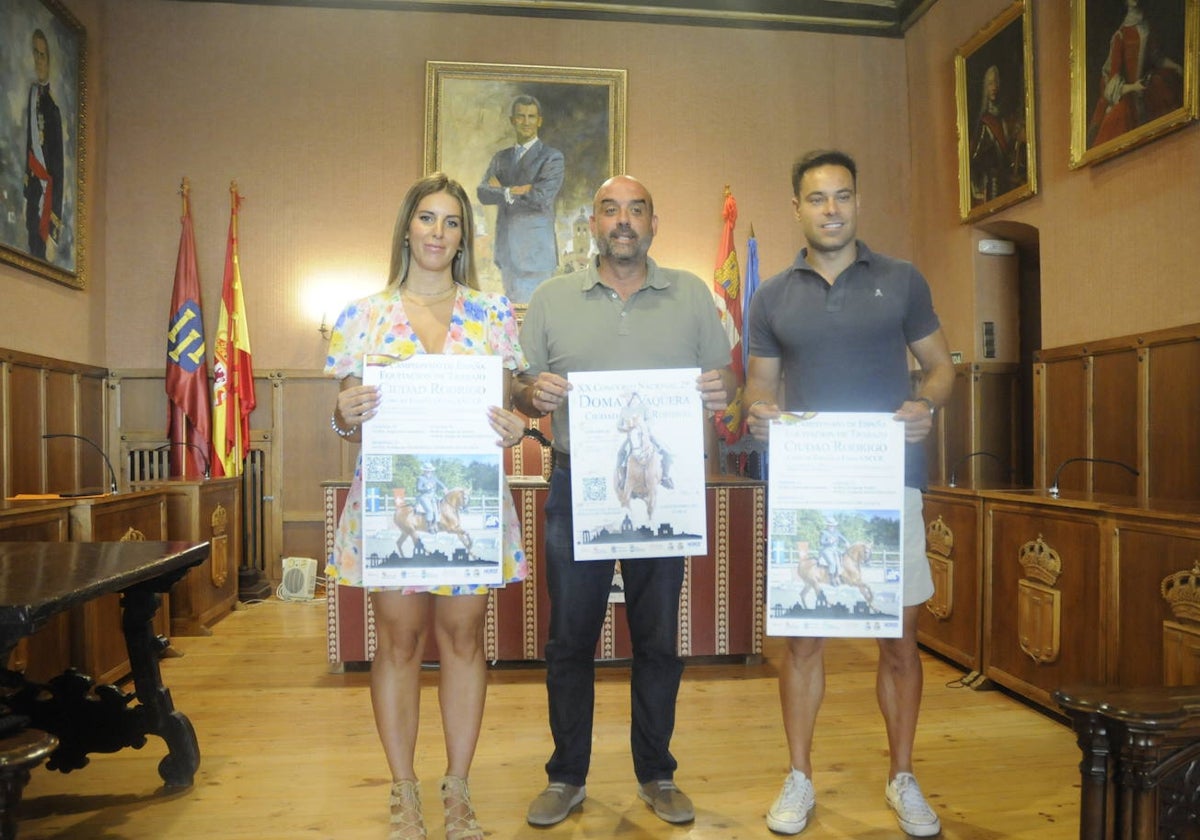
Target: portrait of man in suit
<point x="523" y="182"/>
<point x="43" y="158"/>
<point x="41" y="133"/>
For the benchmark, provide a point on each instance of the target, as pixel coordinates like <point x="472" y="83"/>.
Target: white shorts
<point x="918" y="582"/>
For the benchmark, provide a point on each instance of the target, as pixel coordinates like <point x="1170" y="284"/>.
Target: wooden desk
<point x="722" y="609"/>
<point x="204" y="510"/>
<point x="40" y="580"/>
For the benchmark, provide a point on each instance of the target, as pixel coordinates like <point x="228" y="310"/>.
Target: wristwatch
<point x="928" y="402"/>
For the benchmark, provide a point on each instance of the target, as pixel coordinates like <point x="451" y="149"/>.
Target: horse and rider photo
<point x="637" y="464"/>
<point x="435" y="518"/>
<point x="829" y="568"/>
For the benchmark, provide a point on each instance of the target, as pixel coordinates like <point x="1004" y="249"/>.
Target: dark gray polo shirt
<point x="844" y="347"/>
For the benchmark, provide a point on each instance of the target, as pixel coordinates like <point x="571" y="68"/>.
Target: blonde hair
<point x="462" y="268"/>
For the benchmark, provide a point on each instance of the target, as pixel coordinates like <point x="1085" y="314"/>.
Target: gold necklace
<point x="430" y="300"/>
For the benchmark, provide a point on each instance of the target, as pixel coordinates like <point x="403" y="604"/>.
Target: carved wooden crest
<point x="1181" y="591"/>
<point x="939" y="544"/>
<point x="219" y="546"/>
<point x="1039" y="604"/>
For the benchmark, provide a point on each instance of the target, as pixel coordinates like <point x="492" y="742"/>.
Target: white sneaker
<point x="790" y="812"/>
<point x="912" y="811"/>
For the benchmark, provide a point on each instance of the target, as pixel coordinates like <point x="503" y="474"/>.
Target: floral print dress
<point x="480" y="323"/>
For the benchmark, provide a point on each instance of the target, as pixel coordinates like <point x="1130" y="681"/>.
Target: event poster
<point x="432" y="472"/>
<point x="835" y="516"/>
<point x="637" y="464"/>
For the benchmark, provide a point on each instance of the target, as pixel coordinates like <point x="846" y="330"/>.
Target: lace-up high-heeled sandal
<point x="460" y="816"/>
<point x="405" y="803"/>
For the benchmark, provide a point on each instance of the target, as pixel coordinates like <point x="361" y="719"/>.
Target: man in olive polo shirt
<point x="624" y="313"/>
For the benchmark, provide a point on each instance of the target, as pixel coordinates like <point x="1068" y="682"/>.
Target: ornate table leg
<point x="1091" y="734"/>
<point x="178" y="767"/>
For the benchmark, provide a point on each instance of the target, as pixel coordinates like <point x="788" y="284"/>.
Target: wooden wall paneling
<point x="1114" y="417"/>
<point x="1064" y="425"/>
<point x="25" y="420"/>
<point x="1148" y="551"/>
<point x="304" y="452"/>
<point x="71" y="465"/>
<point x="997" y="425"/>
<point x="1173" y="432"/>
<point x="952" y="435"/>
<point x="951" y="623"/>
<point x="1039" y="408"/>
<point x="1070" y="610"/>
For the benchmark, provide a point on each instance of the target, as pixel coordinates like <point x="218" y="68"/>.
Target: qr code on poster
<point x="377" y="468"/>
<point x="595" y="489"/>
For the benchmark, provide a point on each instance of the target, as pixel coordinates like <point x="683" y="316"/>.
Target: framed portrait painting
<point x="997" y="147"/>
<point x="42" y="140"/>
<point x="531" y="145"/>
<point x="1133" y="73"/>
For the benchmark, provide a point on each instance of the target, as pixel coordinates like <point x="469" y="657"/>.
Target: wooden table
<point x="39" y="580"/>
<point x="1141" y="758"/>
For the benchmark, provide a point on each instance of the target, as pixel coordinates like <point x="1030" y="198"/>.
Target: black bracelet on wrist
<point x="342" y="433"/>
<point x="928" y="402"/>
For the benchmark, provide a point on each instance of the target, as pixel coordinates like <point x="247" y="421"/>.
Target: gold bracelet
<point x="342" y="433"/>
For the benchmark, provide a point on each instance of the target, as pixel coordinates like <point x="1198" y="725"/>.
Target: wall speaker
<point x="299" y="579"/>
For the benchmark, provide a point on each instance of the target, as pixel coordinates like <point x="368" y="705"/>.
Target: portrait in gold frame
<point x="42" y="181"/>
<point x="1156" y="46"/>
<point x="467" y="123"/>
<point x="994" y="91"/>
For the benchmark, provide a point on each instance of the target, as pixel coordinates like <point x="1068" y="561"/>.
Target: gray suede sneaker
<point x="669" y="802"/>
<point x="555" y="803"/>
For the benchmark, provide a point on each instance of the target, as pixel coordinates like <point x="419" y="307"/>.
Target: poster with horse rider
<point x="432" y="473"/>
<point x="835" y="510"/>
<point x="637" y="464"/>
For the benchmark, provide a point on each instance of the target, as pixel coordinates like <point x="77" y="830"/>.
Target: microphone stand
<point x="112" y="474"/>
<point x="200" y="449"/>
<point x="1053" y="490"/>
<point x="967" y="457"/>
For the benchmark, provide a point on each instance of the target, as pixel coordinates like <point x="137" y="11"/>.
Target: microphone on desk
<point x="1053" y="491"/>
<point x="968" y="457"/>
<point x="112" y="474"/>
<point x="200" y="449"/>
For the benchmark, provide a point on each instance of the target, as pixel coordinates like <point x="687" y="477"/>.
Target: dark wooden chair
<point x="20" y="752"/>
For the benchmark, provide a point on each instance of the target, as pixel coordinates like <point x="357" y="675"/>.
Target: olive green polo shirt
<point x="576" y="323"/>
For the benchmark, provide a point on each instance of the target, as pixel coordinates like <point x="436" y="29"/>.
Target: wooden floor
<point x="288" y="750"/>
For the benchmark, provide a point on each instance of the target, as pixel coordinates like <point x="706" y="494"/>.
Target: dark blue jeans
<point x="578" y="599"/>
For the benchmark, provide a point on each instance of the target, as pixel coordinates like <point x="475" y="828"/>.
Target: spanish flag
<point x="727" y="281"/>
<point x="233" y="372"/>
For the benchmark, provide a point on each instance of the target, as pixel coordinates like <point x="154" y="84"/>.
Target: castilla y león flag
<point x="233" y="372"/>
<point x="187" y="362"/>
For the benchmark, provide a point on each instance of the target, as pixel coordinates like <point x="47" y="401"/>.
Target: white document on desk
<point x="431" y="444"/>
<point x="835" y="520"/>
<point x="628" y="428"/>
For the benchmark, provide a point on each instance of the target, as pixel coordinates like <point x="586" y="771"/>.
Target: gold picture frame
<point x="1107" y="117"/>
<point x="994" y="92"/>
<point x="42" y="183"/>
<point x="469" y="125"/>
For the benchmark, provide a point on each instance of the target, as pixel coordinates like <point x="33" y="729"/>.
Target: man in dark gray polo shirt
<point x="834" y="331"/>
<point x="624" y="313"/>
